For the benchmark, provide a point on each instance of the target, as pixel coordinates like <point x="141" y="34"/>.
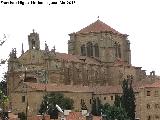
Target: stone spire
<point x="13" y="54"/>
<point x="54" y="49"/>
<point x="46" y="47"/>
<point x="22" y="49"/>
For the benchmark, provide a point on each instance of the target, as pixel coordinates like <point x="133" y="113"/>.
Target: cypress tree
<point x="117" y="101"/>
<point x="128" y="98"/>
<point x="94" y="107"/>
<point x="97" y="107"/>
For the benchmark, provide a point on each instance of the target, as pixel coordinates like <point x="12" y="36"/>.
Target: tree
<point x="117" y="101"/>
<point x="99" y="107"/>
<point x="3" y="85"/>
<point x="3" y="98"/>
<point x="49" y="102"/>
<point x="2" y="41"/>
<point x="128" y="98"/>
<point x="96" y="107"/>
<point x="22" y="116"/>
<point x="114" y="112"/>
<point x="3" y="104"/>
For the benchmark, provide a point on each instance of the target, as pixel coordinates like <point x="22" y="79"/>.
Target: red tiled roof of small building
<point x="156" y="84"/>
<point x="97" y="118"/>
<point x="98" y="26"/>
<point x="75" y="116"/>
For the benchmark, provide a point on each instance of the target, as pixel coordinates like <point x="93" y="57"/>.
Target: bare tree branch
<point x="3" y="40"/>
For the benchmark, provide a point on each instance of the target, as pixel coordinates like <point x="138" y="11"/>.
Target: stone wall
<point x="106" y="42"/>
<point x="149" y="103"/>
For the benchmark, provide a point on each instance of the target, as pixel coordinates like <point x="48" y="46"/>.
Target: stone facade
<point x="31" y="94"/>
<point x="107" y="47"/>
<point x="97" y="55"/>
<point x="149" y="102"/>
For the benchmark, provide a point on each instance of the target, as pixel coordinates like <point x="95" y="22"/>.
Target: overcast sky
<point x="140" y="19"/>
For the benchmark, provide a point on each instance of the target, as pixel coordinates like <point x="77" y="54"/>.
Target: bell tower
<point x="33" y="41"/>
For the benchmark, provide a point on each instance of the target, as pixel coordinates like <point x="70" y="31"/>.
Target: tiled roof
<point x="79" y="116"/>
<point x="107" y="89"/>
<point x="79" y="88"/>
<point x="116" y="89"/>
<point x="60" y="88"/>
<point x="67" y="57"/>
<point x="76" y="58"/>
<point x="98" y="26"/>
<point x="75" y="116"/>
<point x="97" y="118"/>
<point x="156" y="84"/>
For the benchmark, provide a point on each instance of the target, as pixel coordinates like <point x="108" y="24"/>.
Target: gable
<point x="98" y="26"/>
<point x="32" y="57"/>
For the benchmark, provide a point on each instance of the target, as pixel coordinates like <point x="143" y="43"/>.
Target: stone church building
<point x="98" y="56"/>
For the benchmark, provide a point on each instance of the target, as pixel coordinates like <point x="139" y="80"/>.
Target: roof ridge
<point x="98" y="26"/>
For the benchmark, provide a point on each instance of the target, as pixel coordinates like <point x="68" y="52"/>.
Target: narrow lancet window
<point x="83" y="50"/>
<point x="96" y="49"/>
<point x="89" y="49"/>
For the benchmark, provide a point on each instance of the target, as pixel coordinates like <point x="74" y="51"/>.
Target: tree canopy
<point x="115" y="111"/>
<point x="3" y="86"/>
<point x="96" y="107"/>
<point x="123" y="107"/>
<point x="50" y="100"/>
<point x="2" y="41"/>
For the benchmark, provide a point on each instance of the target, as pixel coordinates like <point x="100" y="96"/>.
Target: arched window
<point x="89" y="49"/>
<point x="83" y="50"/>
<point x="96" y="49"/>
<point x="128" y="45"/>
<point x="33" y="44"/>
<point x="116" y="51"/>
<point x="119" y="51"/>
